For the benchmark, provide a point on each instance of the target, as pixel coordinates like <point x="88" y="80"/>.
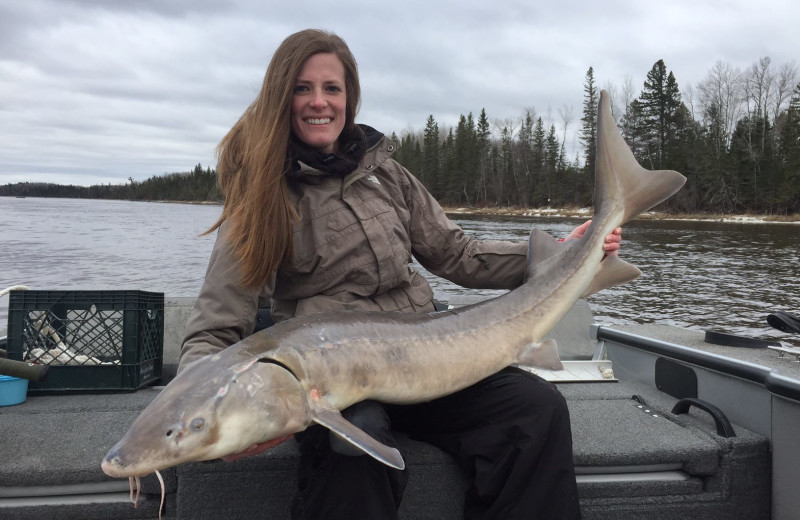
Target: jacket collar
<point x="309" y="166"/>
<point x="378" y="152"/>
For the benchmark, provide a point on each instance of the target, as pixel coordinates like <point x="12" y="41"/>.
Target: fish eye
<point x="197" y="424"/>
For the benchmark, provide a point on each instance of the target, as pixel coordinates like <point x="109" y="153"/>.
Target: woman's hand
<point x="610" y="244"/>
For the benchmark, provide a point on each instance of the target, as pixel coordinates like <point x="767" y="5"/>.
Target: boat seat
<point x="632" y="462"/>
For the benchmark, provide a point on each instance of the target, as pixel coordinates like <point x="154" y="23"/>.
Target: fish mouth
<point x="115" y="471"/>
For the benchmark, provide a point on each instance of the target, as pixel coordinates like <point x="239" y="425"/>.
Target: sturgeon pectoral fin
<point x="333" y="420"/>
<point x="541" y="355"/>
<point x="612" y="271"/>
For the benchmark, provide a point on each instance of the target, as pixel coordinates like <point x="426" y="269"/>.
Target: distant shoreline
<point x="650" y="215"/>
<point x="587" y="213"/>
<point x="745" y="218"/>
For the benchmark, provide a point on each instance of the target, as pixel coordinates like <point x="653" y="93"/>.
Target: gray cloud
<point x="99" y="91"/>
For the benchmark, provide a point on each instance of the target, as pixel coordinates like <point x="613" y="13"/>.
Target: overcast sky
<point x="97" y="91"/>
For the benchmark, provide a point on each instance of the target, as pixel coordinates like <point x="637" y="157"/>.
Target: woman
<point x="318" y="217"/>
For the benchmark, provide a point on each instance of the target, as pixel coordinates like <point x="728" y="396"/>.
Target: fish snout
<point x="112" y="464"/>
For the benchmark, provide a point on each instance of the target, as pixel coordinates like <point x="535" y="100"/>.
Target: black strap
<point x="716" y="337"/>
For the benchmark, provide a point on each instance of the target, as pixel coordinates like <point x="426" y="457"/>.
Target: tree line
<point x="735" y="136"/>
<point x="197" y="185"/>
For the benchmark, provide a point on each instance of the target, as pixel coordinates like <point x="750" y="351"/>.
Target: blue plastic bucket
<point x="12" y="390"/>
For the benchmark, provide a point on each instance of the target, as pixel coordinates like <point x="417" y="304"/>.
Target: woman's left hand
<point x="610" y="244"/>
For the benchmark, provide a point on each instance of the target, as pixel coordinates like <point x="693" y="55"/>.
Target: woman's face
<point x="319" y="102"/>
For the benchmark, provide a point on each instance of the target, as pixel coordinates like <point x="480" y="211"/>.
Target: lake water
<point x="695" y="274"/>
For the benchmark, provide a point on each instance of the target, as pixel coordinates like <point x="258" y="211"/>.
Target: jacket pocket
<point x="419" y="290"/>
<point x="313" y="239"/>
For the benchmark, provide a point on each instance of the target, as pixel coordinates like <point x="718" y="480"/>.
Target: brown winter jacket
<point x="351" y="250"/>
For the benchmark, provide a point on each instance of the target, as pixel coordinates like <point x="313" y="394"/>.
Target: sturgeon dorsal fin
<point x="333" y="420"/>
<point x="541" y="247"/>
<point x="612" y="271"/>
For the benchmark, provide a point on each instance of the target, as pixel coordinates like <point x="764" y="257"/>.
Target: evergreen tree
<point x="685" y="150"/>
<point x="634" y="129"/>
<point x="493" y="173"/>
<point x="660" y="100"/>
<point x="484" y="163"/>
<point x="399" y="154"/>
<point x="543" y="192"/>
<point x="447" y="184"/>
<point x="753" y="157"/>
<point x="528" y="170"/>
<point x="505" y="168"/>
<point x="465" y="167"/>
<point x="716" y="131"/>
<point x="417" y="155"/>
<point x="551" y="162"/>
<point x="588" y="135"/>
<point x="409" y="154"/>
<point x="431" y="161"/>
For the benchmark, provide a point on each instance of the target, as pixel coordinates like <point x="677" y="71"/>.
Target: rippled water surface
<point x="695" y="274"/>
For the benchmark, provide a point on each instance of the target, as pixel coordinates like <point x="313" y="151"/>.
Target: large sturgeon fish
<point x="305" y="370"/>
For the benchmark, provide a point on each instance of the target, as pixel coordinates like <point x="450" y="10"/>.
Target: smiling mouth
<point x="320" y="121"/>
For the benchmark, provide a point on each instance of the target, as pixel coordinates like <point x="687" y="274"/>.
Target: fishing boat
<point x="665" y="426"/>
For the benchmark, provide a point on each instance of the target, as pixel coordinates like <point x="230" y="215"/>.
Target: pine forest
<point x="735" y="136"/>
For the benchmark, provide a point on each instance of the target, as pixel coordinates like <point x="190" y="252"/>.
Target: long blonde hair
<point x="252" y="157"/>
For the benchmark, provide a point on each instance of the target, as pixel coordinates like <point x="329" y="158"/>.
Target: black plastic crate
<point x="92" y="340"/>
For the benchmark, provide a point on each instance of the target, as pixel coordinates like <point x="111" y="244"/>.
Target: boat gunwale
<point x="777" y="384"/>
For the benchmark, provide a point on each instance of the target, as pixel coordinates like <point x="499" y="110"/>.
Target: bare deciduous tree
<point x="785" y="81"/>
<point x="567" y="115"/>
<point x="721" y="94"/>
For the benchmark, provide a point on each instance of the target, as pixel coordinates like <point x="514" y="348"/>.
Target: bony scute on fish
<point x="304" y="370"/>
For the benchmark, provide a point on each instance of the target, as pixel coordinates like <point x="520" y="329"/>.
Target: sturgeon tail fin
<point x="618" y="174"/>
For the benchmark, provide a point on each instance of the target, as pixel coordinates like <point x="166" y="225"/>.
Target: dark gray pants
<point x="510" y="432"/>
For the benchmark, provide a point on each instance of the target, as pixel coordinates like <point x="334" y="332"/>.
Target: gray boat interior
<point x="634" y="458"/>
